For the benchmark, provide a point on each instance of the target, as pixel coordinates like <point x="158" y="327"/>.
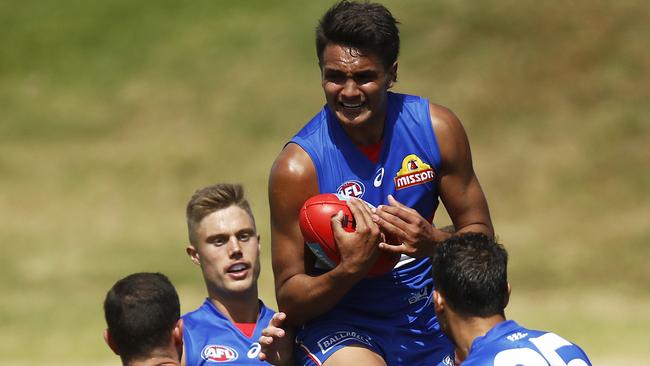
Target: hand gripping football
<point x="315" y="224"/>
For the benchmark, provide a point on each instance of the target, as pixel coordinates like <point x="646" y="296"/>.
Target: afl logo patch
<point x="351" y="188"/>
<point x="218" y="353"/>
<point x="414" y="171"/>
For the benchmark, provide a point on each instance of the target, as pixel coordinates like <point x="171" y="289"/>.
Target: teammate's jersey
<point x="509" y="344"/>
<point x="210" y="337"/>
<point x="408" y="168"/>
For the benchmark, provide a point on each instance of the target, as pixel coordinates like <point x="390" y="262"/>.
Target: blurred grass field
<point x="112" y="113"/>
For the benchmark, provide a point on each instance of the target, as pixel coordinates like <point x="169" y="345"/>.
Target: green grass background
<point x="113" y="112"/>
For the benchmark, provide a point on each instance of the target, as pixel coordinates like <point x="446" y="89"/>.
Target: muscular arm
<point x="300" y="295"/>
<point x="460" y="190"/>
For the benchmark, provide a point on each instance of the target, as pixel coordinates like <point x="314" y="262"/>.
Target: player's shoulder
<point x="442" y="117"/>
<point x="292" y="180"/>
<point x="196" y="317"/>
<point x="293" y="163"/>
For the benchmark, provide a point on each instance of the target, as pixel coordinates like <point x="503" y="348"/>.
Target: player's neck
<point x="244" y="309"/>
<point x="370" y="133"/>
<point x="156" y="361"/>
<point x="466" y="329"/>
<point x="159" y="357"/>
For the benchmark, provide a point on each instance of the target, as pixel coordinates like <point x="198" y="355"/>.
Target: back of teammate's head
<point x="213" y="198"/>
<point x="368" y="27"/>
<point x="141" y="312"/>
<point x="470" y="272"/>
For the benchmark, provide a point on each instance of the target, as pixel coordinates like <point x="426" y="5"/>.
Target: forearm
<point x="479" y="227"/>
<point x="303" y="297"/>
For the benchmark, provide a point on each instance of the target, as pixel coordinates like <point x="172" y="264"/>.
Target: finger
<point x="265" y="340"/>
<point x="361" y="212"/>
<point x="403" y="214"/>
<point x="273" y="331"/>
<point x="278" y="319"/>
<point x="393" y="219"/>
<point x="394" y="249"/>
<point x="392" y="227"/>
<point x="336" y="223"/>
<point x="399" y="209"/>
<point x="396" y="203"/>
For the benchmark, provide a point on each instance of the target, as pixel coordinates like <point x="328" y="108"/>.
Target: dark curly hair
<point x="470" y="271"/>
<point x="366" y="26"/>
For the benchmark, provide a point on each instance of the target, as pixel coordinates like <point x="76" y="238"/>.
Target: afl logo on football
<point x="351" y="188"/>
<point x="218" y="353"/>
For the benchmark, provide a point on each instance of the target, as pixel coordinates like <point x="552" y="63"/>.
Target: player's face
<point x="228" y="252"/>
<point x="355" y="85"/>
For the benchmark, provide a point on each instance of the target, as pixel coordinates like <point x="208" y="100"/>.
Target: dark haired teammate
<point x="472" y="291"/>
<point x="143" y="317"/>
<point x="398" y="152"/>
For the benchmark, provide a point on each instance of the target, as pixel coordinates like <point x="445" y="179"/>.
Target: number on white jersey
<point x="548" y="344"/>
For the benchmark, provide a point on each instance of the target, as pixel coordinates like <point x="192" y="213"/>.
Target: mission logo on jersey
<point x="218" y="353"/>
<point x="414" y="171"/>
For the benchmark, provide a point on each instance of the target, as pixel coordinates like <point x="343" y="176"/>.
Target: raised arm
<point x="300" y="294"/>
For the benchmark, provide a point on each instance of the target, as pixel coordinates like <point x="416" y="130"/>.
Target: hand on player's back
<point x="359" y="249"/>
<point x="417" y="236"/>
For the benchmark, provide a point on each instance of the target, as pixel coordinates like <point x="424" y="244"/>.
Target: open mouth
<point x="351" y="105"/>
<point x="237" y="268"/>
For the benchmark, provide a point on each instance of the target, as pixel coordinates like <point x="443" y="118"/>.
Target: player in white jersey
<point x="472" y="291"/>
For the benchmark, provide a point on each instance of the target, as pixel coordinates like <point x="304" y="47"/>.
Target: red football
<point x="315" y="224"/>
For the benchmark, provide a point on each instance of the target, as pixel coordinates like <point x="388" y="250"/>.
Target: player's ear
<point x="177" y="333"/>
<point x="193" y="253"/>
<point x="438" y="302"/>
<point x="507" y="299"/>
<point x="392" y="75"/>
<point x="109" y="342"/>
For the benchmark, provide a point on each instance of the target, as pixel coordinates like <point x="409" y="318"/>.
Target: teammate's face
<point x="355" y="85"/>
<point x="228" y="252"/>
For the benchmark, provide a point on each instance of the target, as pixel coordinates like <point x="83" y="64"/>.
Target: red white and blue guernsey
<point x="391" y="314"/>
<point x="509" y="344"/>
<point x="209" y="337"/>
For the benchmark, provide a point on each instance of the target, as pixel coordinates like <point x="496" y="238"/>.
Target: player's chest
<point x="405" y="174"/>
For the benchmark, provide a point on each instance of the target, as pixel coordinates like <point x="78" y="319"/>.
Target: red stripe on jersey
<point x="246" y="328"/>
<point x="371" y="151"/>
